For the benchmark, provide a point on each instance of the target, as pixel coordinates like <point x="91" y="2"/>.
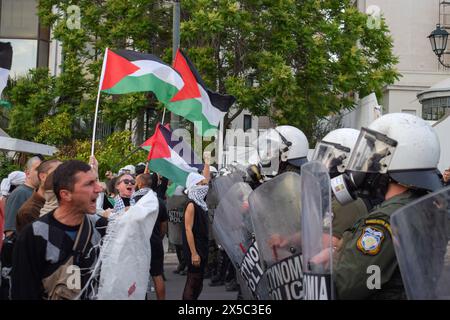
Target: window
<point x="24" y="56"/>
<point x="247" y="122"/>
<point x="19" y="24"/>
<point x="19" y="19"/>
<point x="434" y="109"/>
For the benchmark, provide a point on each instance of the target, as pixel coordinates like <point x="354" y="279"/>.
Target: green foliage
<point x="6" y="166"/>
<point x="295" y="60"/>
<point x="55" y="130"/>
<point x="109" y="153"/>
<point x="142" y="25"/>
<point x="40" y="100"/>
<point x="32" y="97"/>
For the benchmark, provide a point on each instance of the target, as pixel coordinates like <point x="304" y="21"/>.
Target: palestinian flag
<point x="195" y="101"/>
<point x="5" y="63"/>
<point x="171" y="159"/>
<point x="180" y="88"/>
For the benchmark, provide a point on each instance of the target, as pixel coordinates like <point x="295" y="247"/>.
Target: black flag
<point x="5" y="63"/>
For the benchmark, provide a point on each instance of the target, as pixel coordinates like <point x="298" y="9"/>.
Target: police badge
<point x="370" y="241"/>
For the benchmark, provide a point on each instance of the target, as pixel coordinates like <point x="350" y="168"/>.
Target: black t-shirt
<point x="42" y="247"/>
<point x="200" y="229"/>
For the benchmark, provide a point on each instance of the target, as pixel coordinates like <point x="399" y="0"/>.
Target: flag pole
<point x="95" y="122"/>
<point x="164" y="114"/>
<point x="220" y="161"/>
<point x="98" y="102"/>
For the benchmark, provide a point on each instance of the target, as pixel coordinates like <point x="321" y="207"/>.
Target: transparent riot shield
<point x="316" y="233"/>
<point x="275" y="213"/>
<point x="234" y="232"/>
<point x="421" y="233"/>
<point x="222" y="184"/>
<point x="175" y="210"/>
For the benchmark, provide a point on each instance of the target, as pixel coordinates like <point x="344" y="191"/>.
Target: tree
<point x="295" y="60"/>
<point x="109" y="153"/>
<point x="32" y="98"/>
<point x="55" y="130"/>
<point x="142" y="25"/>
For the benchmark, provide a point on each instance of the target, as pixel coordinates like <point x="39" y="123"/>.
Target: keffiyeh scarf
<point x="140" y="193"/>
<point x="119" y="205"/>
<point x="198" y="194"/>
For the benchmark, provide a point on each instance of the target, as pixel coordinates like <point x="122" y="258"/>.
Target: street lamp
<point x="438" y="39"/>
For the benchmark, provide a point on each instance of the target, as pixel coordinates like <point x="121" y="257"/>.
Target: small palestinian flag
<point x="171" y="159"/>
<point x="180" y="89"/>
<point x="5" y="63"/>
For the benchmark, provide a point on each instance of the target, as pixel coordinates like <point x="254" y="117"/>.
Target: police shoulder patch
<point x="370" y="240"/>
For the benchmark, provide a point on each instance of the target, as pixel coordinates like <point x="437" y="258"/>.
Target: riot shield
<point x="175" y="210"/>
<point x="421" y="234"/>
<point x="275" y="213"/>
<point x="222" y="184"/>
<point x="234" y="231"/>
<point x="316" y="233"/>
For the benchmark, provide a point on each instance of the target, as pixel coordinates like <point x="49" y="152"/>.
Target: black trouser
<point x="193" y="286"/>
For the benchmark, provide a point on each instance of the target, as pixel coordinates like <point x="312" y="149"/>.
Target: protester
<point x="21" y="194"/>
<point x="143" y="184"/>
<point x="31" y="209"/>
<point x="51" y="202"/>
<point x="111" y="189"/>
<point x="195" y="235"/>
<point x="159" y="185"/>
<point x="125" y="185"/>
<point x="62" y="243"/>
<point x="140" y="168"/>
<point x="8" y="185"/>
<point x="128" y="169"/>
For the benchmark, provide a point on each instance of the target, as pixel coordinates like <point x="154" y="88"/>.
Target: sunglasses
<point x="126" y="181"/>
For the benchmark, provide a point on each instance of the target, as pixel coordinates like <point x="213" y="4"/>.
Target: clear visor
<point x="268" y="146"/>
<point x="373" y="152"/>
<point x="331" y="155"/>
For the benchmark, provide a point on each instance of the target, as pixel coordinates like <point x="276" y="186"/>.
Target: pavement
<point x="175" y="283"/>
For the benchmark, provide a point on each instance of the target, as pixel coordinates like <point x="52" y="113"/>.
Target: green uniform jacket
<point x="369" y="243"/>
<point x="344" y="217"/>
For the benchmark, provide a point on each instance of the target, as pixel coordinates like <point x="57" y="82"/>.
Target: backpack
<point x="59" y="285"/>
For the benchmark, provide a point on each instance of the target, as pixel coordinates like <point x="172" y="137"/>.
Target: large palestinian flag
<point x="181" y="90"/>
<point x="171" y="159"/>
<point x="5" y="63"/>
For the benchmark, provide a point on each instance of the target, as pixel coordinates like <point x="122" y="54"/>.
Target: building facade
<point x="31" y="41"/>
<point x="410" y="23"/>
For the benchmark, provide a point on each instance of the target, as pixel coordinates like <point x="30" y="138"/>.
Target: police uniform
<point x="369" y="243"/>
<point x="345" y="216"/>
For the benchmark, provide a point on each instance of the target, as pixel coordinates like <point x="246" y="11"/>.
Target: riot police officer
<point x="396" y="156"/>
<point x="282" y="149"/>
<point x="334" y="152"/>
